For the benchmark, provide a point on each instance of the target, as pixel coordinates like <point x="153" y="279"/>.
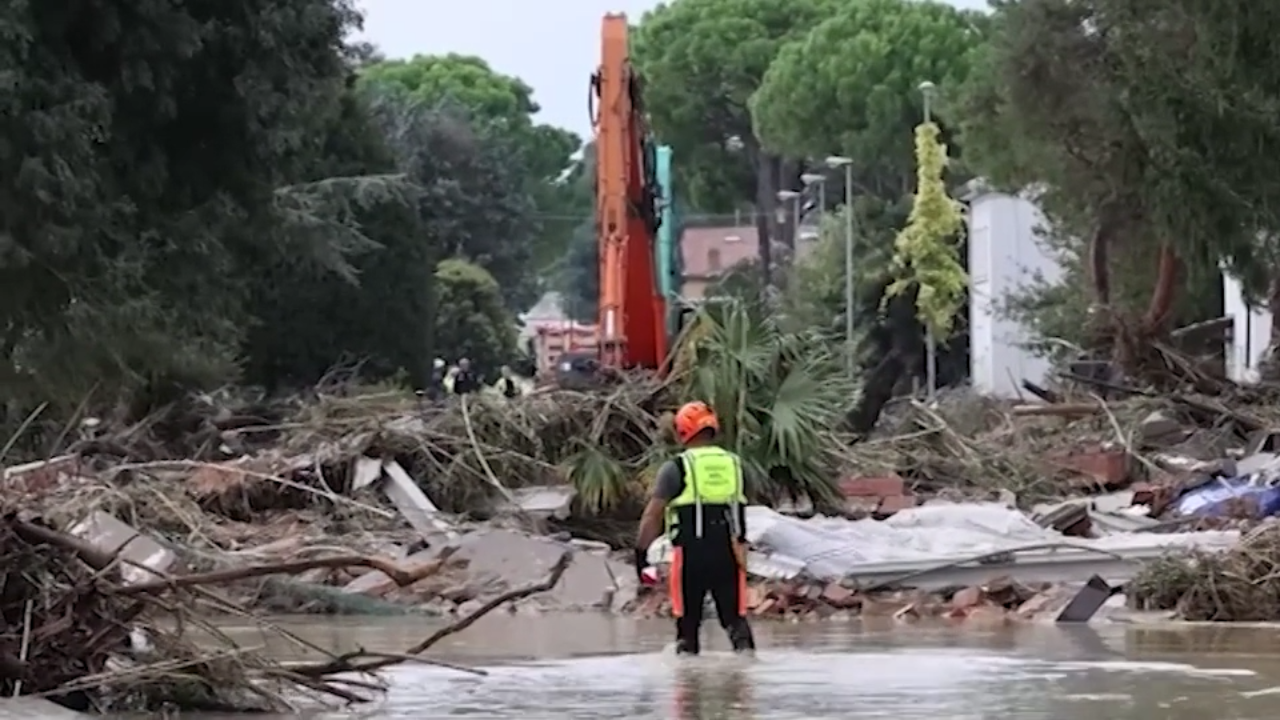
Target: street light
<point x="794" y="197"/>
<point x="927" y="89"/>
<point x="811" y="179"/>
<point x="836" y="162"/>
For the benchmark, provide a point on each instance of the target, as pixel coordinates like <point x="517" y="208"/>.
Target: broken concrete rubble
<point x="906" y="540"/>
<point x="491" y="561"/>
<point x="1000" y="600"/>
<point x="140" y="553"/>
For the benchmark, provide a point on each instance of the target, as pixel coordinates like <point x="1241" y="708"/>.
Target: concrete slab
<point x="543" y="502"/>
<point x="114" y="536"/>
<point x="375" y="583"/>
<point x="521" y="560"/>
<point x="413" y="504"/>
<point x="25" y="708"/>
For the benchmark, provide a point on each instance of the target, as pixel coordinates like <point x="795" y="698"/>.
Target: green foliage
<point x="779" y="396"/>
<point x="1153" y="140"/>
<point x="580" y="274"/>
<point x="814" y="296"/>
<point x="702" y="60"/>
<point x="1056" y="311"/>
<point x="475" y="203"/>
<point x="500" y="106"/>
<point x="925" y="252"/>
<point x="206" y="194"/>
<point x="472" y="321"/>
<point x="849" y="86"/>
<point x="578" y="271"/>
<point x="816" y="293"/>
<point x="141" y="197"/>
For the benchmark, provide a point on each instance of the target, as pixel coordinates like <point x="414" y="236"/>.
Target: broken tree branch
<point x="1043" y="393"/>
<point x="346" y="663"/>
<point x="1060" y="410"/>
<point x="41" y="535"/>
<point x="398" y="575"/>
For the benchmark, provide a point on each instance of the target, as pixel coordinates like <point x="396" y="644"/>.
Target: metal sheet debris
<point x="942" y="545"/>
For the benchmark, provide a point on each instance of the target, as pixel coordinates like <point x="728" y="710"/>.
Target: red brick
<point x="894" y="504"/>
<point x="1107" y="469"/>
<point x="839" y="596"/>
<point x="967" y="598"/>
<point x="873" y="486"/>
<point x="1037" y="605"/>
<point x="1157" y="497"/>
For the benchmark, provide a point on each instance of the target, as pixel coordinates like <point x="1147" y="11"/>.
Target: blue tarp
<point x="1212" y="500"/>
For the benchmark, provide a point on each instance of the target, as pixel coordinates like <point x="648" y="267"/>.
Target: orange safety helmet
<point x="692" y="418"/>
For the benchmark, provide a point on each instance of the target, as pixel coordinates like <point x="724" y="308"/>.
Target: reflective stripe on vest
<point x="712" y="476"/>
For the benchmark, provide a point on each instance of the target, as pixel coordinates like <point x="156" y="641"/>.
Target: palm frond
<point x="781" y="397"/>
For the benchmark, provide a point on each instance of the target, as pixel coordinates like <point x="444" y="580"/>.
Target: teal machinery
<point x="668" y="243"/>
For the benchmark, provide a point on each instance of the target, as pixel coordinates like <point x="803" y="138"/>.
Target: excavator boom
<point x="632" y="322"/>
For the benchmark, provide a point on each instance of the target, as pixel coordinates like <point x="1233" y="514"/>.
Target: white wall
<point x="1250" y="332"/>
<point x="1004" y="254"/>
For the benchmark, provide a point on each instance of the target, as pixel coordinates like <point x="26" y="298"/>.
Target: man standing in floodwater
<point x="700" y="501"/>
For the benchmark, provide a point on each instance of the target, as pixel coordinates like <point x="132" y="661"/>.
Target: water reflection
<point x="601" y="667"/>
<point x="701" y="693"/>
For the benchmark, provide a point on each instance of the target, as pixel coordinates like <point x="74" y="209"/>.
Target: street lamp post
<point x="812" y="179"/>
<point x="927" y="89"/>
<point x="793" y="197"/>
<point x="835" y="162"/>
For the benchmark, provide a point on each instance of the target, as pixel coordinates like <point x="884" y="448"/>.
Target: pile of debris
<point x="1241" y="585"/>
<point x="469" y="496"/>
<point x="944" y="559"/>
<point x="467" y="454"/>
<point x="1046" y="451"/>
<point x="91" y="627"/>
<point x="1001" y="600"/>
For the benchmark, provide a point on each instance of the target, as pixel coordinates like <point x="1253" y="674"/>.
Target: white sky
<point x="553" y="46"/>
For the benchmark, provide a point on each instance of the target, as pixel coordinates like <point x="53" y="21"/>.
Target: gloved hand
<point x="642" y="562"/>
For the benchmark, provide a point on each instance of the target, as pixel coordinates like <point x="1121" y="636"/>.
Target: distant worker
<point x="507" y="383"/>
<point x="465" y="380"/>
<point x="700" y="500"/>
<point x="436" y="388"/>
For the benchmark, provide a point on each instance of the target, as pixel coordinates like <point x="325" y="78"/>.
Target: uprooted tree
<point x="1143" y="124"/>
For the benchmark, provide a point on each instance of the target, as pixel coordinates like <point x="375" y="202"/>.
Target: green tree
<point x="1145" y="148"/>
<point x="475" y="203"/>
<point x="850" y="86"/>
<point x="472" y="322"/>
<point x="501" y="106"/>
<point x="702" y="60"/>
<point x="383" y="315"/>
<point x="925" y="251"/>
<point x="150" y="173"/>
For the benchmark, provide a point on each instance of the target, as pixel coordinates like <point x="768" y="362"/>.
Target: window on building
<point x="713" y="260"/>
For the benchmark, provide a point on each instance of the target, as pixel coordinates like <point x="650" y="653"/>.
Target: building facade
<point x="1005" y="252"/>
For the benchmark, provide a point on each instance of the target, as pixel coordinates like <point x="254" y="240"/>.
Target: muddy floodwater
<point x="596" y="667"/>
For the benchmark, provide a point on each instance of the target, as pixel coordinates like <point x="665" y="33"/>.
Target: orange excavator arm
<point x="632" y="322"/>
